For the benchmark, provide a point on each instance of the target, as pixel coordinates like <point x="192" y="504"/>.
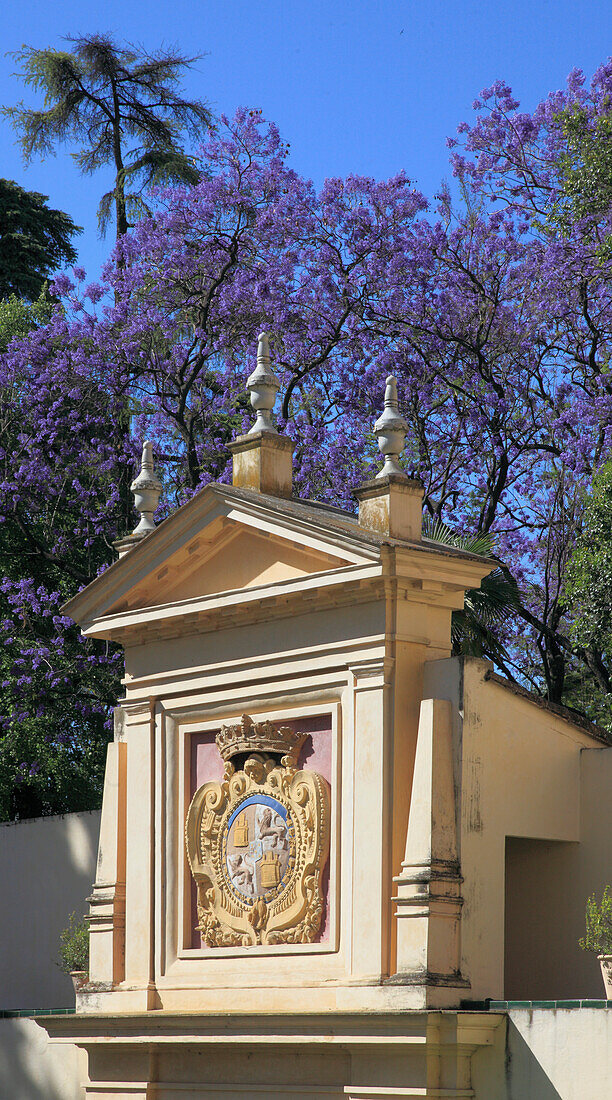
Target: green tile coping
<point x="13" y="1013"/>
<point x="508" y="1006"/>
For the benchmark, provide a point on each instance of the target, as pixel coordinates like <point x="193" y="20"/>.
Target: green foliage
<point x="74" y="945"/>
<point x="589" y="577"/>
<point x="34" y="241"/>
<point x="18" y="316"/>
<point x="56" y="687"/>
<point x="585" y="693"/>
<point x="587" y="167"/>
<point x="474" y="544"/>
<point x="588" y="594"/>
<point x="40" y="777"/>
<point x="598" y="936"/>
<point x="120" y="106"/>
<point x="55" y="690"/>
<point x="473" y="628"/>
<point x="584" y="178"/>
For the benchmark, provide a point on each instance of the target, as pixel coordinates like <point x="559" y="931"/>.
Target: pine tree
<point x="120" y="106"/>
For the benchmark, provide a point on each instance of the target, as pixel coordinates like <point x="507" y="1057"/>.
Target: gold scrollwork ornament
<point x="257" y="844"/>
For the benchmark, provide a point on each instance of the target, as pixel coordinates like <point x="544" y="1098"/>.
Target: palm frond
<point x="438" y="531"/>
<point x="485" y="608"/>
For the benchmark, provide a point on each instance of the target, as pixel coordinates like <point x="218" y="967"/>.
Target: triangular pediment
<point x="221" y="541"/>
<point x="227" y="557"/>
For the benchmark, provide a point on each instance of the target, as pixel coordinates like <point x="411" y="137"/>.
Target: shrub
<point x="598" y="936"/>
<point x="74" y="945"/>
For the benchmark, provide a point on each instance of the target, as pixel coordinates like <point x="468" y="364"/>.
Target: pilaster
<point x="140" y="857"/>
<point x="107" y="900"/>
<point x="429" y="887"/>
<point x="371" y="819"/>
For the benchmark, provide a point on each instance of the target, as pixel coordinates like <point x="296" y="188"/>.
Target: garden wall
<point x="556" y="1053"/>
<point x="47" y="867"/>
<point x="32" y="1068"/>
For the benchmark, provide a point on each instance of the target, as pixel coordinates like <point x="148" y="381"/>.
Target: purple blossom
<point x="478" y="310"/>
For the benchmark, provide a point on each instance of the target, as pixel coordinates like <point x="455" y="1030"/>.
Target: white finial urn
<point x="263" y="386"/>
<point x="391" y="429"/>
<point x="146" y="488"/>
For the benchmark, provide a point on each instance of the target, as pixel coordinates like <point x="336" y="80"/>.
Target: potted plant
<point x="74" y="950"/>
<point x="598" y="936"/>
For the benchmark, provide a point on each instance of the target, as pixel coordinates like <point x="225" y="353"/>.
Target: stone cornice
<point x="392" y="1028"/>
<point x="357" y="584"/>
<point x="325" y="529"/>
<point x="423" y="579"/>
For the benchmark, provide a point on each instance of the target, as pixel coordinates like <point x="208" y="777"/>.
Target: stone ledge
<point x="490" y="1005"/>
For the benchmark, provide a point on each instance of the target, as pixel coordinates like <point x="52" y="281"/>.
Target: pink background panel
<point x="206" y="766"/>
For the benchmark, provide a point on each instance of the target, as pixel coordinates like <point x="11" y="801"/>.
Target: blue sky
<point x="355" y="85"/>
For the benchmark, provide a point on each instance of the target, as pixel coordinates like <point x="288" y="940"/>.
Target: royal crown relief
<point x="258" y="841"/>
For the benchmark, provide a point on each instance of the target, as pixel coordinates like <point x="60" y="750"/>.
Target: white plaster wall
<point x="32" y="1068"/>
<point x="47" y="867"/>
<point x="548" y="1054"/>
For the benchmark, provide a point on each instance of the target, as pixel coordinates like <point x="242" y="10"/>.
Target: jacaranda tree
<point x="493" y="313"/>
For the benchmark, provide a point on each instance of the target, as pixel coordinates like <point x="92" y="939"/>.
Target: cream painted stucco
<point x="240" y="603"/>
<point x="523" y="771"/>
<point x="245" y="560"/>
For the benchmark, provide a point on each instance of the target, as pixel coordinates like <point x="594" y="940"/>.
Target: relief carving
<point x="258" y="841"/>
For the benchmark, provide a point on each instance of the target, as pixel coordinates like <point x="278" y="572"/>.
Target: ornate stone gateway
<point x="258" y="841"/>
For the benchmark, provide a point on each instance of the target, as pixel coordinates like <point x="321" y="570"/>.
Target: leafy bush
<point x="74" y="945"/>
<point x="598" y="936"/>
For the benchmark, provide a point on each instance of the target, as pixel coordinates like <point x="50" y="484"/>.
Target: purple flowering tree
<point x="60" y="495"/>
<point x="537" y="171"/>
<point x="493" y="315"/>
<point x="162" y="345"/>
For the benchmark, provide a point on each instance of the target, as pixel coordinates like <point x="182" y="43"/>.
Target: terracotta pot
<point x="605" y="961"/>
<point x="79" y="977"/>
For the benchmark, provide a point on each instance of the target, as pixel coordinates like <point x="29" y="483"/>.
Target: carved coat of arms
<point x="258" y="841"/>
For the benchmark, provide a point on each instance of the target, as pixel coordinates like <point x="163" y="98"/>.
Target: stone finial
<point x="146" y="488"/>
<point x="391" y="430"/>
<point x="392" y="503"/>
<point x="262" y="457"/>
<point x="263" y="386"/>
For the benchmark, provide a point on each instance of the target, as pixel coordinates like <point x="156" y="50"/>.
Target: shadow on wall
<point x="32" y="1069"/>
<point x="510" y="1070"/>
<point x="47" y="868"/>
<point x="547" y="884"/>
<point x="526" y="1077"/>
